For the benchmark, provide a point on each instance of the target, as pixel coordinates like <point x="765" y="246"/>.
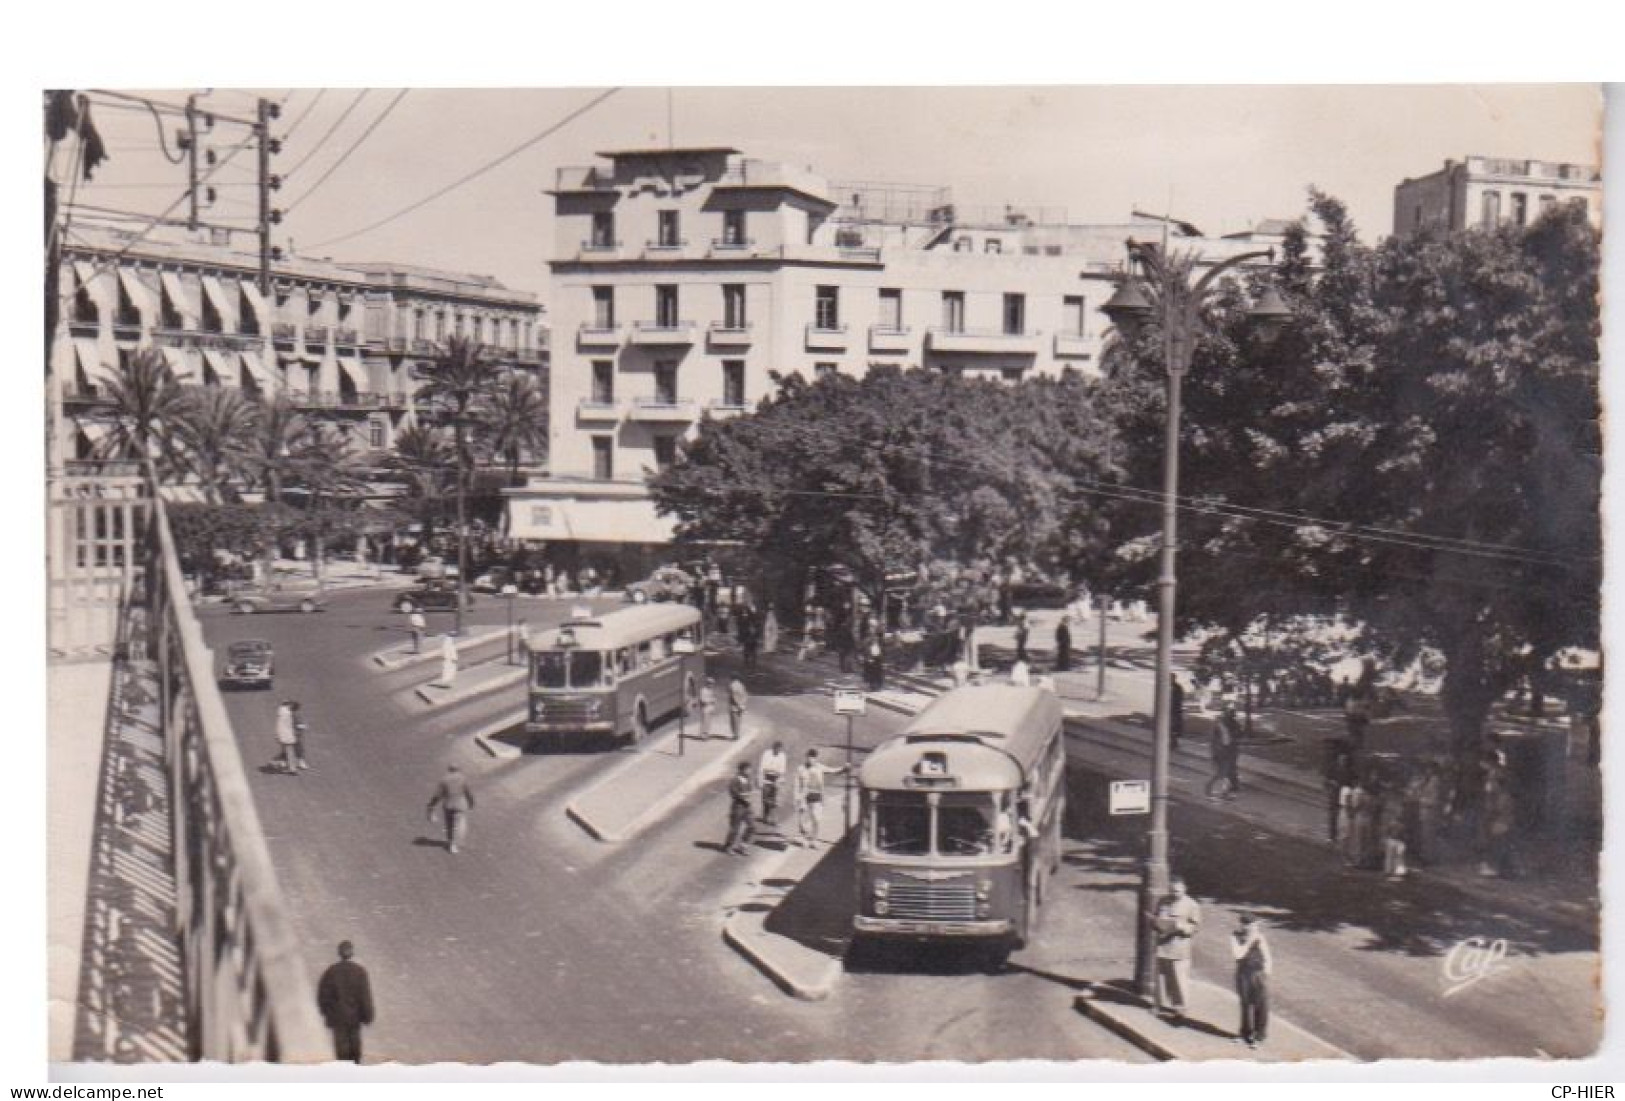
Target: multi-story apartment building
<point x="1490" y="191"/>
<point x="341" y="340"/>
<point x="682" y="278"/>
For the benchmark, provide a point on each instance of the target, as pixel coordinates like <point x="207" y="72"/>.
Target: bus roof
<point x="990" y="735"/>
<point x="624" y="626"/>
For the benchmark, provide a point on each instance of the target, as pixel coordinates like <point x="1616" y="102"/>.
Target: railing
<point x="337" y="399"/>
<point x="723" y="332"/>
<point x="283" y="330"/>
<point x="665" y="246"/>
<point x="723" y="244"/>
<point x="344" y="336"/>
<point x="224" y="342"/>
<point x="93" y="542"/>
<point x="84" y="326"/>
<point x="316" y="334"/>
<point x="248" y="997"/>
<point x="600" y="246"/>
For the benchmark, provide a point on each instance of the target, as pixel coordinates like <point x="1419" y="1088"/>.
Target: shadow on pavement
<point x="817" y="913"/>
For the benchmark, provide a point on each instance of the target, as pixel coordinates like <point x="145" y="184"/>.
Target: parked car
<point x="429" y="598"/>
<point x="249" y="664"/>
<point x="667" y="583"/>
<point x="495" y="580"/>
<point x="436" y="568"/>
<point x="278" y="598"/>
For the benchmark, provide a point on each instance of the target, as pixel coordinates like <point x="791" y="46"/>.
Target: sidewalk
<point x="632" y="796"/>
<point x="402" y="656"/>
<point x="1207" y="1033"/>
<point x="474" y="680"/>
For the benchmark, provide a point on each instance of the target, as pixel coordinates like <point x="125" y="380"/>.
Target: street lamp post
<point x="1175" y="303"/>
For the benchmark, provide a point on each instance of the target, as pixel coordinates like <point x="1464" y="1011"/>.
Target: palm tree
<point x="272" y="459"/>
<point x="423" y="459"/>
<point x="458" y="381"/>
<point x="327" y="467"/>
<point x="145" y="405"/>
<point x="513" y="419"/>
<point x="216" y="438"/>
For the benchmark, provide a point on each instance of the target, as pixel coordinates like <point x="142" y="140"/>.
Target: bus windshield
<point x="570" y="669"/>
<point x="967" y="824"/>
<point x="903" y="825"/>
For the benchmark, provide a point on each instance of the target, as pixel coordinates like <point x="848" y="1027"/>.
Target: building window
<point x="733" y="382"/>
<point x="1546" y="203"/>
<point x="127" y="313"/>
<point x="603" y="229"/>
<point x="84" y="306"/>
<point x="964" y="244"/>
<point x="1015" y="315"/>
<point x="668" y="229"/>
<point x="248" y="322"/>
<point x="603" y="381"/>
<point x="733" y="227"/>
<point x="665" y="451"/>
<point x="827" y="308"/>
<point x="1052" y="250"/>
<point x="375" y="435"/>
<point x="1492" y="208"/>
<point x="1520" y="209"/>
<point x="953" y="311"/>
<point x="417" y="324"/>
<point x="891" y="309"/>
<point x="603" y="307"/>
<point x="603" y="457"/>
<point x="666" y="382"/>
<point x="823" y="370"/>
<point x="440" y="325"/>
<point x="993" y="244"/>
<point x="1072" y="315"/>
<point x="733" y="306"/>
<point x="666" y="306"/>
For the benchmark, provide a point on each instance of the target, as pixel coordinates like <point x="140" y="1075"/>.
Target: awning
<point x="139" y="295"/>
<point x="358" y="374"/>
<point x="180" y="299"/>
<point x="180" y="364"/>
<point x="93" y="431"/>
<point x="588" y="521"/>
<point x="314" y="359"/>
<point x="222" y="365"/>
<point x="256" y="368"/>
<point x="256" y="302"/>
<point x="90" y="361"/>
<point x="84" y="273"/>
<point x="539" y="520"/>
<point x="225" y="307"/>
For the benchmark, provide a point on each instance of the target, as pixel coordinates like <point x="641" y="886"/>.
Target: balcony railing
<point x="126" y="326"/>
<point x="592" y="332"/>
<point x="316" y="334"/>
<point x="344" y="399"/>
<point x="583" y="178"/>
<point x="592" y="409"/>
<point x="745" y="244"/>
<point x="222" y="342"/>
<point x="601" y="249"/>
<point x="526" y="355"/>
<point x="983" y="341"/>
<point x="890" y="338"/>
<point x="663" y="408"/>
<point x="657" y="332"/>
<point x="826" y="338"/>
<point x="284" y="331"/>
<point x="343" y="335"/>
<point x="424" y="347"/>
<point x="665" y="246"/>
<point x="720" y="332"/>
<point x="84" y="326"/>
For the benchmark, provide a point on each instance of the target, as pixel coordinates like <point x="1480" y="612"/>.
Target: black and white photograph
<point x="656" y="573"/>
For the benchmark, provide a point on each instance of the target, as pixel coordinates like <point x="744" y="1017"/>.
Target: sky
<point x="1221" y="156"/>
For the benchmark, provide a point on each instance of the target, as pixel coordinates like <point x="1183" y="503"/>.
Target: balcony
<point x="724" y="247"/>
<point x="655" y="332"/>
<point x="348" y="399"/>
<point x="982" y="342"/>
<point x="723" y="335"/>
<point x="397" y="344"/>
<point x="858" y="253"/>
<point x="826" y="338"/>
<point x="345" y="336"/>
<point x="127" y="326"/>
<point x="220" y="342"/>
<point x="663" y="410"/>
<point x="588" y="178"/>
<point x="316" y="334"/>
<point x="284" y="332"/>
<point x="73" y="394"/>
<point x="530" y="356"/>
<point x="424" y="347"/>
<point x="1074" y="346"/>
<point x="596" y="334"/>
<point x="600" y="250"/>
<point x="588" y="409"/>
<point x="722" y="407"/>
<point x="890" y="338"/>
<point x="84" y="326"/>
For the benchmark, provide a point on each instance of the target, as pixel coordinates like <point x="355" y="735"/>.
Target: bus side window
<point x="645" y="653"/>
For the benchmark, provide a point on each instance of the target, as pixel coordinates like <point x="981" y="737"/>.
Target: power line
<point x="321" y="141"/>
<point x="303" y="115"/>
<point x="353" y="147"/>
<point x="470" y="177"/>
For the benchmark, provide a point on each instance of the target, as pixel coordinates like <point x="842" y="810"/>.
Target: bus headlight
<point x="881" y="907"/>
<point x="984" y="889"/>
<point x="882" y="888"/>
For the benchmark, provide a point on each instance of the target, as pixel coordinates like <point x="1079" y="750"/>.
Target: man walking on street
<point x="290" y="735"/>
<point x="1176" y="921"/>
<point x="454" y="799"/>
<point x="419" y="626"/>
<point x="769" y="772"/>
<point x="1223" y="749"/>
<point x="1337" y="775"/>
<point x="1063" y="645"/>
<point x="809" y="797"/>
<point x="739" y="827"/>
<point x="1253" y="965"/>
<point x="737" y="699"/>
<point x="344" y="997"/>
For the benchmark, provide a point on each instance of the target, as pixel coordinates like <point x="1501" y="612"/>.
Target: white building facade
<point x="1491" y="191"/>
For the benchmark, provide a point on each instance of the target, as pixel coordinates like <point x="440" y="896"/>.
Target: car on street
<point x="277" y="598"/>
<point x="495" y="580"/>
<point x="667" y="583"/>
<point x="250" y="663"/>
<point x="436" y="568"/>
<point x="428" y="598"/>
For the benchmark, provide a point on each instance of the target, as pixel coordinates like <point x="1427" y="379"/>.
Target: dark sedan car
<point x="249" y="664"/>
<point x="429" y="598"/>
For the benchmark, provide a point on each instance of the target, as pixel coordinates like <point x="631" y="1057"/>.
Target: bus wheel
<point x="640" y="724"/>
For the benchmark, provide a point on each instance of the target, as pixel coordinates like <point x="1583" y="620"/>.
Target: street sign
<point x="849" y="701"/>
<point x="1131" y="797"/>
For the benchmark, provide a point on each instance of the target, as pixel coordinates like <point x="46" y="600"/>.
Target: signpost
<point x="683" y="645"/>
<point x="851" y="703"/>
<point x="1131" y="797"/>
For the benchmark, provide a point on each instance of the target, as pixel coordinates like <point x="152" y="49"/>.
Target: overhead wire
<point x="365" y="134"/>
<point x="321" y="141"/>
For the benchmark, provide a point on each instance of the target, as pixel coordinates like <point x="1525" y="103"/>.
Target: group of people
<point x="1175" y="924"/>
<point x="806" y="793"/>
<point x="738" y="698"/>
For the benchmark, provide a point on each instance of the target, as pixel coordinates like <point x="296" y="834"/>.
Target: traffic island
<point x="1204" y="1034"/>
<point x="403" y="656"/>
<point x="476" y="681"/>
<point x="794" y="925"/>
<point x="656" y="778"/>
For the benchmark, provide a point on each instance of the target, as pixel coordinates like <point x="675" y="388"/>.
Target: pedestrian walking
<point x="454" y="799"/>
<point x="1222" y="749"/>
<point x="1337" y="774"/>
<point x="770" y="631"/>
<point x="769" y="772"/>
<point x="419" y="627"/>
<point x="522" y="642"/>
<point x="808" y="795"/>
<point x="1357" y="826"/>
<point x="1176" y="921"/>
<point x="1020" y="673"/>
<point x="708" y="705"/>
<point x="1391" y="829"/>
<point x="738" y="697"/>
<point x="840" y="638"/>
<point x="290" y="737"/>
<point x="448" y="660"/>
<point x="739" y="827"/>
<point x="874" y="664"/>
<point x="344" y="997"/>
<point x="1021" y="636"/>
<point x="748" y="628"/>
<point x="812" y="631"/>
<point x="1253" y="967"/>
<point x="1063" y="645"/>
<point x="1176" y="710"/>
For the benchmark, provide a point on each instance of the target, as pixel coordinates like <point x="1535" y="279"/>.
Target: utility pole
<point x="191" y="162"/>
<point x="267" y="111"/>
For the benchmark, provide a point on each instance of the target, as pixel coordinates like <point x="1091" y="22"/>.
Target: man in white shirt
<point x="769" y="771"/>
<point x="809" y="797"/>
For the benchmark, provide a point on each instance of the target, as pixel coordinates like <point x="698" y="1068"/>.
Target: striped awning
<point x="358" y="374"/>
<point x="90" y="361"/>
<point x="182" y="301"/>
<point x="180" y="364"/>
<point x="140" y="296"/>
<point x="256" y="302"/>
<point x="225" y="307"/>
<point x="221" y="364"/>
<point x="84" y="274"/>
<point x="256" y="368"/>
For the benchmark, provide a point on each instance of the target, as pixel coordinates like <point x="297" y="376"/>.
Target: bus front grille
<point x="568" y="711"/>
<point x="933" y="901"/>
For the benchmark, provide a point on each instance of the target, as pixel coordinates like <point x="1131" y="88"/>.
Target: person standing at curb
<point x="448" y="660"/>
<point x="290" y="735"/>
<point x="708" y="706"/>
<point x="739" y="827"/>
<point x="1338" y="775"/>
<point x="344" y="997"/>
<point x="738" y="697"/>
<point x="522" y="643"/>
<point x="769" y="773"/>
<point x="454" y="799"/>
<point x="1176" y="921"/>
<point x="809" y="797"/>
<point x="1253" y="965"/>
<point x="1063" y="645"/>
<point x="419" y="627"/>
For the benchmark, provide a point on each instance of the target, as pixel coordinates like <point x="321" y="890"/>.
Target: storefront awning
<point x="358" y="374"/>
<point x="90" y="361"/>
<point x="620" y="520"/>
<point x="256" y="302"/>
<point x="257" y="369"/>
<point x="225" y="307"/>
<point x="180" y="364"/>
<point x="221" y="364"/>
<point x="140" y="296"/>
<point x="94" y="432"/>
<point x="178" y="297"/>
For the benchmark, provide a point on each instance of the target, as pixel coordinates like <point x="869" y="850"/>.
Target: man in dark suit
<point x="344" y="996"/>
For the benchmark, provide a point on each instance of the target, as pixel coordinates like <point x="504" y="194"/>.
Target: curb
<point x="751" y="944"/>
<point x="482" y="737"/>
<point x="1090" y="1008"/>
<point x="1119" y="1026"/>
<point x="383" y="659"/>
<point x="507" y="680"/>
<point x="704" y="775"/>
